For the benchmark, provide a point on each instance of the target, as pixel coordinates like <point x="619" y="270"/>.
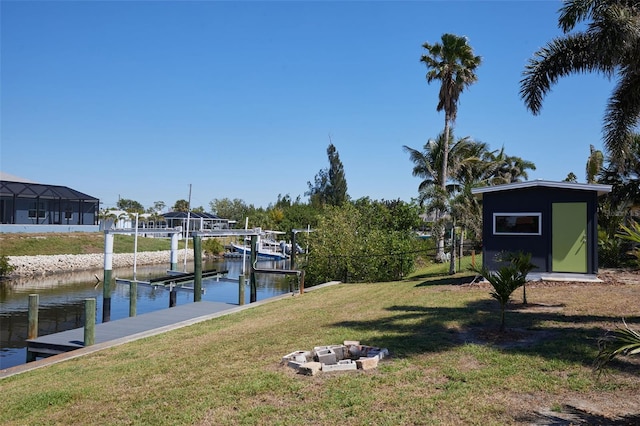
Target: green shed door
<point x="569" y="237"/>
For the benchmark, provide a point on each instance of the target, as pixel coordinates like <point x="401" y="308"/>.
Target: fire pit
<point x="351" y="355"/>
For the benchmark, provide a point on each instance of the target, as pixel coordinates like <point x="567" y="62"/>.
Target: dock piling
<point x="253" y="296"/>
<point x="33" y="316"/>
<point x="173" y="295"/>
<point x="106" y="282"/>
<point x="197" y="268"/>
<point x="133" y="298"/>
<point x="174" y="252"/>
<point x="89" y="321"/>
<point x="241" y="290"/>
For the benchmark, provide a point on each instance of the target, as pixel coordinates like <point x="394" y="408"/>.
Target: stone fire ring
<point x="349" y="356"/>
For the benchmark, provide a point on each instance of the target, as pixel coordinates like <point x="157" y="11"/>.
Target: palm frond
<point x="621" y="341"/>
<point x="621" y="117"/>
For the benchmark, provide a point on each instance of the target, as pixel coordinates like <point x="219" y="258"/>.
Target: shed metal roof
<point x="600" y="189"/>
<point x="37" y="190"/>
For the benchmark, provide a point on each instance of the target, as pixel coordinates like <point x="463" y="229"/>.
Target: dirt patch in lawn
<point x="598" y="407"/>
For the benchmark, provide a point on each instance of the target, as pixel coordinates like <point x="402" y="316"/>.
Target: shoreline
<point x="44" y="265"/>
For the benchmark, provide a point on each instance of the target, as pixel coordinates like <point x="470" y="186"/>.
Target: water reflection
<point x="61" y="299"/>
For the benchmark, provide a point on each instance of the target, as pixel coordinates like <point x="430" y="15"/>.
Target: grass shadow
<point x="570" y="415"/>
<point x="453" y="280"/>
<point x="416" y="329"/>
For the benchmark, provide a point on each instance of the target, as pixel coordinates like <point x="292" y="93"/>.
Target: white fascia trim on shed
<point x="599" y="188"/>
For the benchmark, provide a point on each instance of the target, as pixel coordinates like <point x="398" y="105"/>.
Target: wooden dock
<point x="129" y="328"/>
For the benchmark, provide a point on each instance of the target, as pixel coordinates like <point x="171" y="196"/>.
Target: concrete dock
<point x="59" y="347"/>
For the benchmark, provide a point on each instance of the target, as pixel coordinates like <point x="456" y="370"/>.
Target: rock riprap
<point x="26" y="266"/>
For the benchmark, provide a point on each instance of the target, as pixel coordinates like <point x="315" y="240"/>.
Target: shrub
<point x="212" y="246"/>
<point x="611" y="251"/>
<point x="632" y="233"/>
<point x="5" y="267"/>
<point x="354" y="244"/>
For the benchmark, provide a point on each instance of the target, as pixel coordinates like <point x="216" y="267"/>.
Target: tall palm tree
<point x="453" y="63"/>
<point x="609" y="45"/>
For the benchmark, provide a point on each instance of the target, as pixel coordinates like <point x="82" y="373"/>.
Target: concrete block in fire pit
<point x="344" y="365"/>
<point x="340" y="351"/>
<point x="326" y="356"/>
<point x="298" y="356"/>
<point x="367" y="363"/>
<point x="310" y="368"/>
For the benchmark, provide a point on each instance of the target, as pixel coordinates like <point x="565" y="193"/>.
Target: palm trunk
<point x="443" y="178"/>
<point x="452" y="260"/>
<point x="445" y="154"/>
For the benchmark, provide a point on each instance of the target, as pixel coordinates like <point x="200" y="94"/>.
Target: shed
<point x="554" y="221"/>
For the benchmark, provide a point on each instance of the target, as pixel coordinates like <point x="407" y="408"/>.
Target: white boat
<point x="268" y="248"/>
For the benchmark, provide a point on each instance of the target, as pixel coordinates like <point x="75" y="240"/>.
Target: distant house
<point x="197" y="221"/>
<point x="33" y="207"/>
<point x="554" y="221"/>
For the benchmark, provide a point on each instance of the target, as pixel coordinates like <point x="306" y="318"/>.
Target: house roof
<point x="36" y="190"/>
<point x="600" y="189"/>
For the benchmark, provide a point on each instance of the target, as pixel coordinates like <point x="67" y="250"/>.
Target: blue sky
<point x="139" y="100"/>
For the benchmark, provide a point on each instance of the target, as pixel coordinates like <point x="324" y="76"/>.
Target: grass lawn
<point x="448" y="363"/>
<point x="75" y="243"/>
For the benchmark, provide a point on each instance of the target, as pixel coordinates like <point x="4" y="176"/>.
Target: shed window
<point x="517" y="223"/>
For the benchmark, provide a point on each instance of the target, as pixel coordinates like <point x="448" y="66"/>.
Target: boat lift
<point x="253" y="234"/>
<point x="176" y="280"/>
<point x="173" y="282"/>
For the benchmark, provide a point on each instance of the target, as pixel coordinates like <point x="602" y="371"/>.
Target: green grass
<point x="74" y="243"/>
<point x="448" y="363"/>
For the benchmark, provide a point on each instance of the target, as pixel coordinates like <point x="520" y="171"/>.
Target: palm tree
<point x="453" y="63"/>
<point x="435" y="189"/>
<point x="624" y="197"/>
<point x="106" y="214"/>
<point x="509" y="169"/>
<point x="594" y="164"/>
<point x="475" y="168"/>
<point x="609" y="45"/>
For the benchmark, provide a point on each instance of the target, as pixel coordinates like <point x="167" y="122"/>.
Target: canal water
<point x="61" y="298"/>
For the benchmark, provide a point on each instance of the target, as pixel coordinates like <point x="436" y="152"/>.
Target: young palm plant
<point x="621" y="341"/>
<point x="522" y="262"/>
<point x="505" y="281"/>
